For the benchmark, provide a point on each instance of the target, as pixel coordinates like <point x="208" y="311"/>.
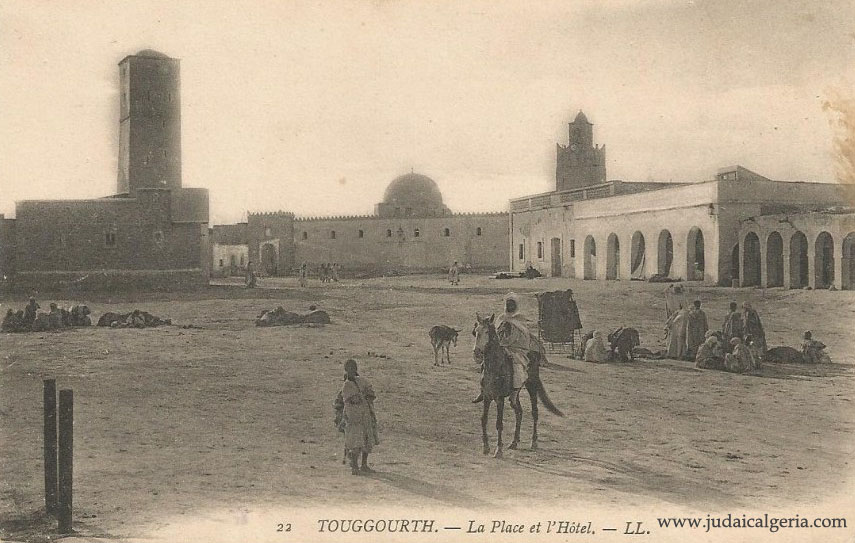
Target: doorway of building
<point x="268" y="259"/>
<point x="556" y="257"/>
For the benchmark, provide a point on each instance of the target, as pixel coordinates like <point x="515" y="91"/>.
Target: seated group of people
<point x="133" y="319"/>
<point x="30" y="319"/>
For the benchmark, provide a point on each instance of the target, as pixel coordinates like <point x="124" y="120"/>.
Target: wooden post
<point x="66" y="459"/>
<point x="50" y="445"/>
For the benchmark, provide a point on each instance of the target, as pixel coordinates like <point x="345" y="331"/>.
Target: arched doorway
<point x="824" y="260"/>
<point x="268" y="259"/>
<point x="613" y="258"/>
<point x="695" y="255"/>
<point x="665" y="253"/>
<point x="848" y="268"/>
<point x="775" y="260"/>
<point x="751" y="260"/>
<point x="798" y="261"/>
<point x="734" y="264"/>
<point x="637" y="256"/>
<point x="590" y="258"/>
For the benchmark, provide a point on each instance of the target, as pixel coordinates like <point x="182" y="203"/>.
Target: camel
<point x="497" y="384"/>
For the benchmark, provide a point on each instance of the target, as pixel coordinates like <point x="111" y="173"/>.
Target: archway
<point x="798" y="261"/>
<point x="824" y="260"/>
<point x="751" y="260"/>
<point x="848" y="268"/>
<point x="590" y="258"/>
<point x="268" y="259"/>
<point x="774" y="260"/>
<point x="637" y="256"/>
<point x="665" y="253"/>
<point x="613" y="258"/>
<point x="695" y="255"/>
<point x="734" y="264"/>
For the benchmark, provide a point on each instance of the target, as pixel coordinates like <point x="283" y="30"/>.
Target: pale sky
<point x="314" y="107"/>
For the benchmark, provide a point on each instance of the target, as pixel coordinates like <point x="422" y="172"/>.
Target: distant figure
<point x="335" y="272"/>
<point x="740" y="360"/>
<point x="55" y="317"/>
<point x="250" y="275"/>
<point x="10" y="322"/>
<point x="753" y="327"/>
<point x="676" y="329"/>
<point x="303" y="275"/>
<point x="710" y="353"/>
<point x="813" y="351"/>
<point x="696" y="328"/>
<point x="732" y="326"/>
<point x="355" y="416"/>
<point x="30" y="312"/>
<point x="595" y="349"/>
<point x="454" y="274"/>
<point x="323" y="273"/>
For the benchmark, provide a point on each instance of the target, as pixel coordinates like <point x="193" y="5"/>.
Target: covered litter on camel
<point x="558" y="319"/>
<point x="281" y="317"/>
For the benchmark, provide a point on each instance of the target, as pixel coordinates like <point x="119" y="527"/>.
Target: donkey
<point x="441" y="337"/>
<point x="497" y="383"/>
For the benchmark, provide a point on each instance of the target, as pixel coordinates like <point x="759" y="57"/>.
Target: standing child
<point x="355" y="416"/>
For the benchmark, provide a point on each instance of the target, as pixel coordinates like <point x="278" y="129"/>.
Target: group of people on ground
<point x="30" y="319"/>
<point x="328" y="273"/>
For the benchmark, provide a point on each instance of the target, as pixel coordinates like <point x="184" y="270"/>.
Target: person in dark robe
<point x="696" y="328"/>
<point x="813" y="351"/>
<point x="732" y="326"/>
<point x="753" y="327"/>
<point x="30" y="312"/>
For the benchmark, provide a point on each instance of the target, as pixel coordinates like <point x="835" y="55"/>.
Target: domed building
<point x="412" y="195"/>
<point x="411" y="230"/>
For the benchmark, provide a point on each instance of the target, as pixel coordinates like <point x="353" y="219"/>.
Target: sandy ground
<point x="172" y="423"/>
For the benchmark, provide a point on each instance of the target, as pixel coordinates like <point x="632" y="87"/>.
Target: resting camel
<point x="497" y="383"/>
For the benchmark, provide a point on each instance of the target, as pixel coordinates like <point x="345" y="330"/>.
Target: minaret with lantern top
<point x="580" y="163"/>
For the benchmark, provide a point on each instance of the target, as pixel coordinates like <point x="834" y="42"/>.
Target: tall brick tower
<point x="149" y="123"/>
<point x="580" y="164"/>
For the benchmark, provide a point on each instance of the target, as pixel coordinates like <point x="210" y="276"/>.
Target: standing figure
<point x="696" y="329"/>
<point x="732" y="327"/>
<point x="250" y="275"/>
<point x="753" y="327"/>
<point x="335" y="272"/>
<point x="454" y="274"/>
<point x="303" y="274"/>
<point x="30" y="313"/>
<point x="355" y="416"/>
<point x="676" y="329"/>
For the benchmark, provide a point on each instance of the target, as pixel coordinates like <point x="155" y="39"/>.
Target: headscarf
<point x="350" y="363"/>
<point x="736" y="341"/>
<point x="709" y="334"/>
<point x="746" y="306"/>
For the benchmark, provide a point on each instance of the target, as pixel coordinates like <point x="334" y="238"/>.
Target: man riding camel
<point x="517" y="340"/>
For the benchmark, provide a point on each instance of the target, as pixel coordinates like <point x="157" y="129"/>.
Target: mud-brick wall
<point x="7" y="248"/>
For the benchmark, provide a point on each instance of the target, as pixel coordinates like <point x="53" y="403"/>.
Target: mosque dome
<point x="413" y="194"/>
<point x="151" y="53"/>
<point x="413" y="190"/>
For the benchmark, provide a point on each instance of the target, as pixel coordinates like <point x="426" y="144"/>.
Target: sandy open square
<point x="173" y="423"/>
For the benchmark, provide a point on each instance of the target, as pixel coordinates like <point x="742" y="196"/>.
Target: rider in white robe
<point x="517" y="340"/>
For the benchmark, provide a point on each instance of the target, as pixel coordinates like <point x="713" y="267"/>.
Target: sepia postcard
<point x="409" y="271"/>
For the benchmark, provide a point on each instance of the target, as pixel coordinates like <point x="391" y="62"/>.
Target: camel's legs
<point x="484" y="416"/>
<point x="500" y="411"/>
<point x="532" y="394"/>
<point x="514" y="398"/>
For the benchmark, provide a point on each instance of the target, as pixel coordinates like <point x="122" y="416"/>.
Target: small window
<point x="522" y="251"/>
<point x="332" y="234"/>
<point x="305" y="235"/>
<point x="110" y="239"/>
<point x="446" y="232"/>
<point x="268" y="232"/>
<point x="478" y="231"/>
<point x="158" y="237"/>
<point x="539" y="249"/>
<point x="233" y="260"/>
<point x="241" y="260"/>
<point x="388" y="233"/>
<point x="164" y="153"/>
<point x="572" y="248"/>
<point x="221" y="262"/>
<point x="416" y="233"/>
<point x="361" y="234"/>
